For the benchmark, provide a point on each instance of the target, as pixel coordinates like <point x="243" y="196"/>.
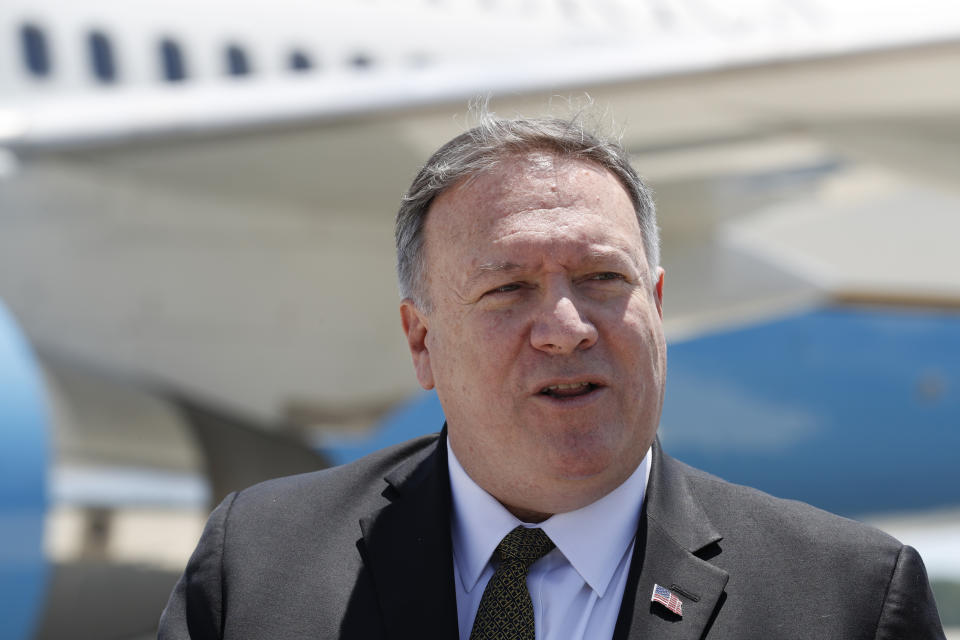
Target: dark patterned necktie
<point x="506" y="611"/>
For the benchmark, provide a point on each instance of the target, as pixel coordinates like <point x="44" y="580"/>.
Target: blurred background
<point x="197" y="288"/>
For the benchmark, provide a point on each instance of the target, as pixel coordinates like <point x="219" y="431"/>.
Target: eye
<point x="607" y="275"/>
<point x="507" y="288"/>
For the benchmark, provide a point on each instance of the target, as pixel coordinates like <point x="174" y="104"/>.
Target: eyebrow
<point x="509" y="267"/>
<point x="497" y="267"/>
<point x="493" y="267"/>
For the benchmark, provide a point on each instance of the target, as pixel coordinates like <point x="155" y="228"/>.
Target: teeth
<point x="561" y="387"/>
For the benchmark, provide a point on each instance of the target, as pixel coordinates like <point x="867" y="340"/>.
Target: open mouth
<point x="572" y="390"/>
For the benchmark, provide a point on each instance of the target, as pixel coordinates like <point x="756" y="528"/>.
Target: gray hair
<point x="482" y="148"/>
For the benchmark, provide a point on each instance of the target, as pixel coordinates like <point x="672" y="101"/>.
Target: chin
<point x="571" y="498"/>
<point x="580" y="467"/>
<point x="585" y="453"/>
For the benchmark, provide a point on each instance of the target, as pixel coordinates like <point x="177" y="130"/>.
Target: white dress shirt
<point x="576" y="589"/>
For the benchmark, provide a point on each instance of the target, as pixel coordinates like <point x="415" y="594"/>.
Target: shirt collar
<point x="479" y="523"/>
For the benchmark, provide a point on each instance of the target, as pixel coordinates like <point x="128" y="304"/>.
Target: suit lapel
<point x="673" y="532"/>
<point x="407" y="548"/>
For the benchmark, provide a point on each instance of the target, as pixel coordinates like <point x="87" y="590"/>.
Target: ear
<point x="415" y="327"/>
<point x="660" y="273"/>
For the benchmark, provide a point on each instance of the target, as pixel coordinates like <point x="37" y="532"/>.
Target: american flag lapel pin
<point x="668" y="599"/>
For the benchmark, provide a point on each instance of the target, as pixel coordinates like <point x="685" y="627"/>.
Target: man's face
<point x="544" y="337"/>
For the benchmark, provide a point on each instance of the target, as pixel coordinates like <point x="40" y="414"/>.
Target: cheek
<point x="498" y="328"/>
<point x="465" y="355"/>
<point x="447" y="359"/>
<point x="642" y="336"/>
<point x="492" y="351"/>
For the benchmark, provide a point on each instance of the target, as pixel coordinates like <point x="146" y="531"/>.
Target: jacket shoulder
<point x="358" y="485"/>
<point x="845" y="578"/>
<point x="745" y="507"/>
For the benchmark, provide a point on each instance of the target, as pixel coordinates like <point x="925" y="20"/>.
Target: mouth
<point x="570" y="390"/>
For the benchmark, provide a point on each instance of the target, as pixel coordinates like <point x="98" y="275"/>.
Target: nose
<point x="560" y="328"/>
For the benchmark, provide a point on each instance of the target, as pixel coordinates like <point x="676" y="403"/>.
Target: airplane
<point x="200" y="198"/>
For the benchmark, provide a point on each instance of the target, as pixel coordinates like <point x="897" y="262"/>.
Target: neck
<point x="527" y="515"/>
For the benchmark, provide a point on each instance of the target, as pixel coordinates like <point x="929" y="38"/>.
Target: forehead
<point x="526" y="190"/>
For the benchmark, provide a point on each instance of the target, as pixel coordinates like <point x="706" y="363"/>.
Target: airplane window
<point x="237" y="62"/>
<point x="171" y="56"/>
<point x="299" y="61"/>
<point x="361" y="61"/>
<point x="101" y="57"/>
<point x="35" y="52"/>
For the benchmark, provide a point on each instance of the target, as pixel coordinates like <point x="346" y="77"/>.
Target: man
<point x="528" y="262"/>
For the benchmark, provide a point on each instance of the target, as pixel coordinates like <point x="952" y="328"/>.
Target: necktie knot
<point x="524" y="544"/>
<point x="506" y="610"/>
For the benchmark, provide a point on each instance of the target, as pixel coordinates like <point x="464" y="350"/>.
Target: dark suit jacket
<point x="363" y="551"/>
